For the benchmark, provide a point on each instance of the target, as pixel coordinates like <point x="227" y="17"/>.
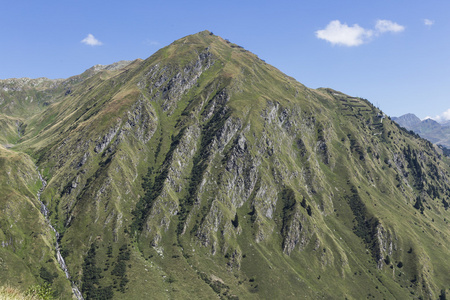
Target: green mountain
<point x="202" y="172"/>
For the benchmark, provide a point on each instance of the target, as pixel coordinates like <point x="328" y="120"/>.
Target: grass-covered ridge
<point x="203" y="172"/>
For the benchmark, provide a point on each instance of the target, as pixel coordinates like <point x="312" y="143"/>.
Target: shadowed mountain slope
<point x="203" y="172"/>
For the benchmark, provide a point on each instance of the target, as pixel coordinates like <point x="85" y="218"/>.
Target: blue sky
<point x="396" y="54"/>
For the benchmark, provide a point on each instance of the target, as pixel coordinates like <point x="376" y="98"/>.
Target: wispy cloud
<point x="428" y="22"/>
<point x="383" y="26"/>
<point x="149" y="42"/>
<point x="445" y="116"/>
<point x="338" y="33"/>
<point x="91" y="41"/>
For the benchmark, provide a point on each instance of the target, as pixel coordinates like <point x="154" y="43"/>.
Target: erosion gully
<point x="62" y="263"/>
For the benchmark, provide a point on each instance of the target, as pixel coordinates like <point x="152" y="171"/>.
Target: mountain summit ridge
<point x="203" y="172"/>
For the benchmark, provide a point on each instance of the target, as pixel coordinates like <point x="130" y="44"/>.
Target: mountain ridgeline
<point x="428" y="129"/>
<point x="204" y="173"/>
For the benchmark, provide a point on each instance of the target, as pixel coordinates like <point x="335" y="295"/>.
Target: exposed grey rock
<point x="168" y="85"/>
<point x="83" y="160"/>
<point x="141" y="120"/>
<point x="385" y="245"/>
<point x="297" y="233"/>
<point x="104" y="141"/>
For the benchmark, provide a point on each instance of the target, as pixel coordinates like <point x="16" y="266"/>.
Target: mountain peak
<point x="407" y="120"/>
<point x="438" y="133"/>
<point x="431" y="121"/>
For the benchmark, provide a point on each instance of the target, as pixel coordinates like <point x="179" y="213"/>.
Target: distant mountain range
<point x="438" y="133"/>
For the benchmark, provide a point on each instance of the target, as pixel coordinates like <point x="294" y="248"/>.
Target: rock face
<point x="202" y="172"/>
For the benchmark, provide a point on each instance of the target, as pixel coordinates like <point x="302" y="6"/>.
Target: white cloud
<point x="338" y="33"/>
<point x="91" y="41"/>
<point x="383" y="26"/>
<point x="342" y="34"/>
<point x="428" y="22"/>
<point x="445" y="116"/>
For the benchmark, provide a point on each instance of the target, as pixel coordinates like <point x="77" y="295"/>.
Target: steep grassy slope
<point x="23" y="98"/>
<point x="203" y="172"/>
<point x="26" y="253"/>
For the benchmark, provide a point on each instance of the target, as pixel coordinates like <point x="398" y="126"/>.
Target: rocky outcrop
<point x="385" y="244"/>
<point x="166" y="206"/>
<point x="104" y="141"/>
<point x="169" y="83"/>
<point x="297" y="233"/>
<point x="141" y="121"/>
